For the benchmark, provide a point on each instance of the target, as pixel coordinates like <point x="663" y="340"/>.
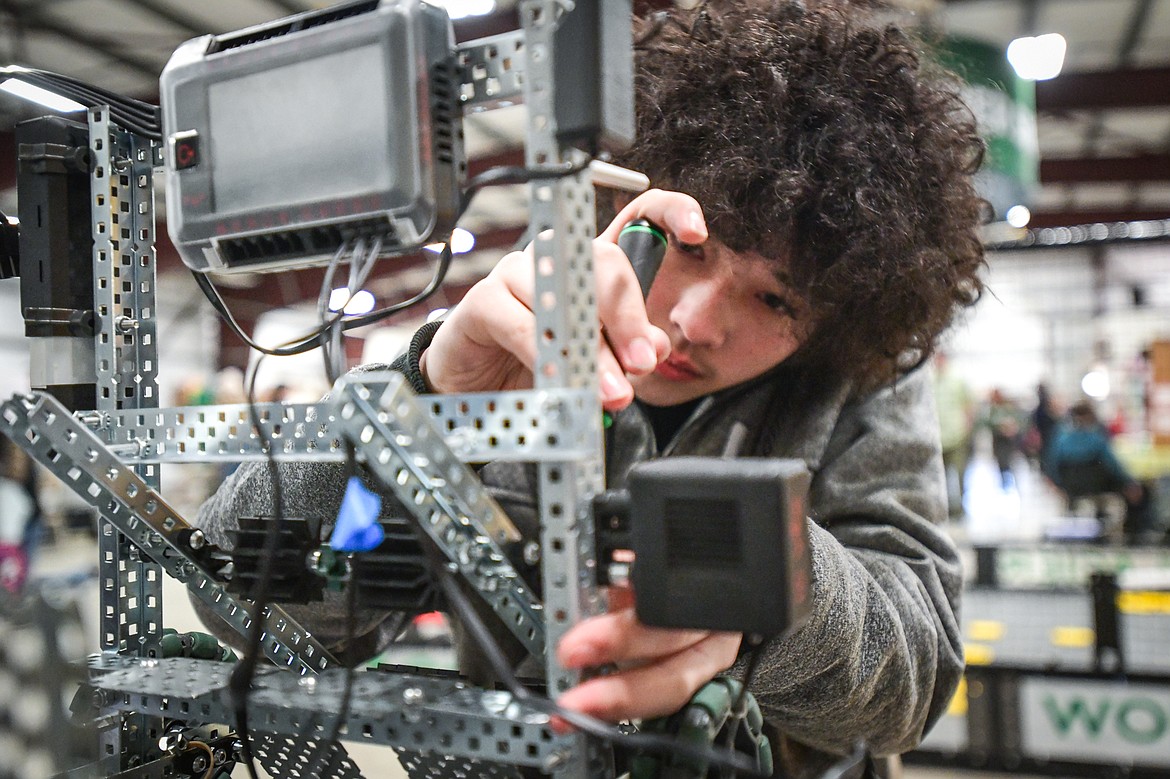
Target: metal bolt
<point x="199" y="764"/>
<point x="172" y="742"/>
<point x="121" y="163"/>
<point x="125" y="451"/>
<point x="197" y="540"/>
<point x="532" y="553"/>
<point x="220" y="755"/>
<point x="554" y="412"/>
<point x="94" y="419"/>
<point x="412" y="696"/>
<point x="554" y="760"/>
<point x="125" y="324"/>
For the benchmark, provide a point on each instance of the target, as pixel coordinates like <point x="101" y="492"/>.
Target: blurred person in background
<point x="1002" y="417"/>
<point x="1082" y="465"/>
<point x="20" y="516"/>
<point x="1044" y="421"/>
<point x="956" y="416"/>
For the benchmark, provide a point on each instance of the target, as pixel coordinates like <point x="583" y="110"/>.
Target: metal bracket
<point x="53" y="437"/>
<point x="408" y="455"/>
<point x="414" y="712"/>
<point x="479" y="427"/>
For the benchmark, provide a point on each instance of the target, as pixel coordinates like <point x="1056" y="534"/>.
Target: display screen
<point x="309" y="131"/>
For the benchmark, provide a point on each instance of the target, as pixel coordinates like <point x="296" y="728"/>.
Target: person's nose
<point x="701" y="312"/>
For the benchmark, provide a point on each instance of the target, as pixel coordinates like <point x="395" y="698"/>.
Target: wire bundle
<point x="134" y="115"/>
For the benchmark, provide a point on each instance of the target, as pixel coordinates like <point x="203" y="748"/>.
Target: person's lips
<point x="677" y="368"/>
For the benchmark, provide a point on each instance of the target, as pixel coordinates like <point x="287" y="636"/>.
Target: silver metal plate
<point x="408" y="455"/>
<point x="479" y="427"/>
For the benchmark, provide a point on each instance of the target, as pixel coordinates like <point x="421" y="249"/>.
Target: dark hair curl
<point x="808" y="133"/>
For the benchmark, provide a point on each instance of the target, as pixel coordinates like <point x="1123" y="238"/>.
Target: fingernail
<point x="611" y="388"/>
<point x="641" y="355"/>
<point x="697" y="223"/>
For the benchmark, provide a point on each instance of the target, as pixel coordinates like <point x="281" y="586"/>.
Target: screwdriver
<point x="645" y="245"/>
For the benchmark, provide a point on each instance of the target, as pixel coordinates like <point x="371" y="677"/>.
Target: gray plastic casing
<point x="310" y="131"/>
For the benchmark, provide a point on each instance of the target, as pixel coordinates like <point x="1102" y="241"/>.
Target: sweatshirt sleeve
<point x="881" y="655"/>
<point x="312" y="490"/>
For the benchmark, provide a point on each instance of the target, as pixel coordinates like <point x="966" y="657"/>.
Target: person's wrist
<point x="422" y="371"/>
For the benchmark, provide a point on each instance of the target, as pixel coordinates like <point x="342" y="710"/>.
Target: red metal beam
<point x="1143" y="167"/>
<point x="1124" y="88"/>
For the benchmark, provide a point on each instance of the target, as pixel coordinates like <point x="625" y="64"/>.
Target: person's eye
<point x="694" y="250"/>
<point x="777" y="303"/>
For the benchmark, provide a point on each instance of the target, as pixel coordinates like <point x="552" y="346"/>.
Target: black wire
<point x="318" y="337"/>
<point x="324" y="747"/>
<point x="245" y="671"/>
<point x="739" y="708"/>
<point x="649" y="742"/>
<point x="134" y="115"/>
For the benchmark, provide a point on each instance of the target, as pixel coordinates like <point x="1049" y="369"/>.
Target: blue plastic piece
<point x="357" y="528"/>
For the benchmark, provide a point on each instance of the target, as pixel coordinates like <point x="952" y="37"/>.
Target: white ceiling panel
<point x="116" y="21"/>
<point x="1154" y="195"/>
<point x="1094" y="195"/>
<point x="1154" y="45"/>
<point x="1135" y="130"/>
<point x="1095" y="30"/>
<point x="995" y="21"/>
<point x="1063" y="136"/>
<point x="219" y="16"/>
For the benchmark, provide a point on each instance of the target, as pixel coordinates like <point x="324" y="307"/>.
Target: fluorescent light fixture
<point x="461" y="242"/>
<point x="459" y="9"/>
<point x="362" y="301"/>
<point x="1019" y="216"/>
<point x="40" y="95"/>
<point x="1039" y="58"/>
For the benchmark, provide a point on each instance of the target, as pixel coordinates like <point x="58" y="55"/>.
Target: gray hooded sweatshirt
<point x="881" y="654"/>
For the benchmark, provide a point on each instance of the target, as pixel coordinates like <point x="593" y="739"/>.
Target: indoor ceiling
<point x="1104" y="123"/>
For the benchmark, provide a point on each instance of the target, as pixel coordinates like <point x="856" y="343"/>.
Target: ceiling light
<point x="40" y="95"/>
<point x="1019" y="216"/>
<point x="362" y="301"/>
<point x="462" y="241"/>
<point x="1039" y="58"/>
<point x="1095" y="383"/>
<point x="458" y="9"/>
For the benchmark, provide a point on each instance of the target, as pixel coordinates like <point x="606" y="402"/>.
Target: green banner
<point x="1005" y="107"/>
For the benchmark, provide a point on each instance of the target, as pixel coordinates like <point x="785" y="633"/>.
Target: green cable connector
<point x="704" y="723"/>
<point x="200" y="646"/>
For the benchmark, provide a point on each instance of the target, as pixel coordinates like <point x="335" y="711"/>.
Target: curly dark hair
<point x="810" y="133"/>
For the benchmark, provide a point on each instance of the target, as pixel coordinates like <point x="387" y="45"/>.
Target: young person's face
<point x="730" y="318"/>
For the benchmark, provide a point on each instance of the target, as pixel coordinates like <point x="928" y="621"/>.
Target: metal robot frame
<point x="439" y="725"/>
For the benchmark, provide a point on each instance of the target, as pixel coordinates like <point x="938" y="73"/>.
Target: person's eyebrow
<point x="781" y="274"/>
